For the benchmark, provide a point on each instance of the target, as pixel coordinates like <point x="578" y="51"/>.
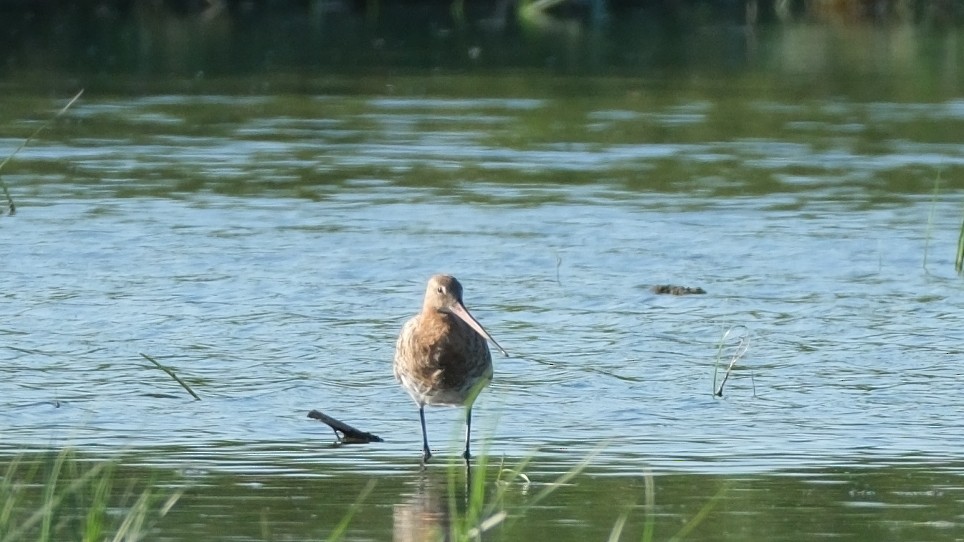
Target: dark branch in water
<point x="676" y="290"/>
<point x="345" y="433"/>
<point x="171" y="373"/>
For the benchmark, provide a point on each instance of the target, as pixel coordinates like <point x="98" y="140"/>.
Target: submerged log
<point x="676" y="290"/>
<point x="345" y="433"/>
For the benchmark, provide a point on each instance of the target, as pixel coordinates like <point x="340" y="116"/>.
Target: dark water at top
<point x="267" y="238"/>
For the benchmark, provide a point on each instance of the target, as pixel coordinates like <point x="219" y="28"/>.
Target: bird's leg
<point x="468" y="431"/>
<point x="426" y="452"/>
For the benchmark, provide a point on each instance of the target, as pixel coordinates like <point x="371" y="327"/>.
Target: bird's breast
<point x="441" y="351"/>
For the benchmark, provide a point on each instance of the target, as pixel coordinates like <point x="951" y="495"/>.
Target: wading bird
<point x="441" y="357"/>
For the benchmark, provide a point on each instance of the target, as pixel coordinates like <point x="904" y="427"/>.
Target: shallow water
<point x="271" y="305"/>
<point x="281" y="299"/>
<point x="268" y="248"/>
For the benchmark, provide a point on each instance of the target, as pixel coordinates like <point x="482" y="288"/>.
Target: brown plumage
<point x="441" y="357"/>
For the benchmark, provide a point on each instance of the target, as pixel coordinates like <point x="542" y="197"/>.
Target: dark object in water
<point x="345" y="433"/>
<point x="676" y="290"/>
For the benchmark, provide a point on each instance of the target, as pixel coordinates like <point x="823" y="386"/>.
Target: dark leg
<point x="426" y="453"/>
<point x="468" y="432"/>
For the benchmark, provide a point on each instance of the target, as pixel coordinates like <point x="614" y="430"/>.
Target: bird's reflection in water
<point x="426" y="514"/>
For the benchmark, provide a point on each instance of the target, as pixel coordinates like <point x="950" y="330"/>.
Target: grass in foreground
<point x="481" y="501"/>
<point x="64" y="498"/>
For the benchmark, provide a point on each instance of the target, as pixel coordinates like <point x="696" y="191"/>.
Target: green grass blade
<point x="132" y="527"/>
<point x="41" y="128"/>
<point x="739" y="350"/>
<point x="50" y="491"/>
<point x="930" y="219"/>
<point x="8" y="495"/>
<point x="97" y="513"/>
<point x="3" y="185"/>
<point x="650" y="525"/>
<point x="10" y="205"/>
<point x="959" y="261"/>
<point x="700" y="516"/>
<point x="617" y="531"/>
<point x="171" y="374"/>
<point x="338" y="533"/>
<point x="561" y="481"/>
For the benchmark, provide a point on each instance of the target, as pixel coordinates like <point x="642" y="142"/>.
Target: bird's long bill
<point x="459" y="310"/>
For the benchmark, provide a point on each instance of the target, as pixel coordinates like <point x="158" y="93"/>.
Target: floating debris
<point x="669" y="289"/>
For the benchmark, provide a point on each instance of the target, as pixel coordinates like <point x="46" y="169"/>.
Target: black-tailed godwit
<point x="441" y="357"/>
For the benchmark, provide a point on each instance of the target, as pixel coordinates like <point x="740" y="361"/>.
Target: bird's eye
<point x="441" y="289"/>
